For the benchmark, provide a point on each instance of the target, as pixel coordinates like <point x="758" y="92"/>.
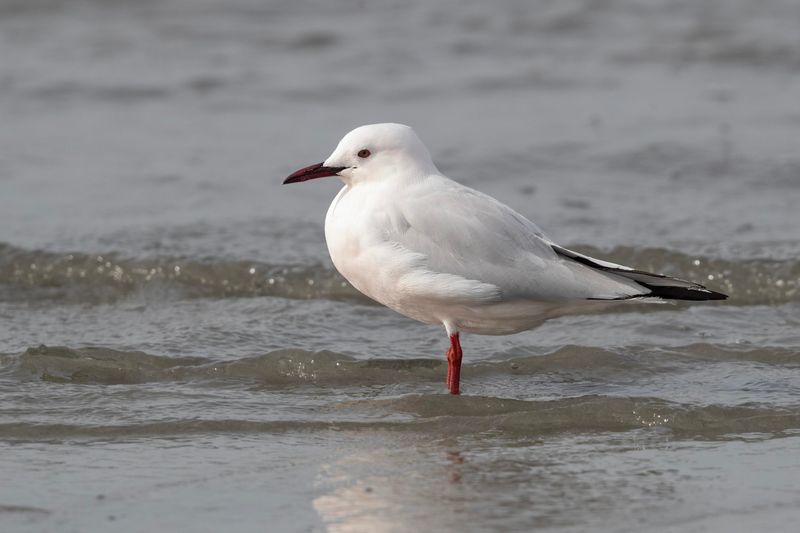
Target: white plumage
<point x="442" y="253"/>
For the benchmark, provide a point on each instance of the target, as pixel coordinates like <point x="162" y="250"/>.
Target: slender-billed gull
<point x="443" y="253"/>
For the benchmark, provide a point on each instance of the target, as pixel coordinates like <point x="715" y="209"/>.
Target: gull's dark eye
<point x="363" y="153"/>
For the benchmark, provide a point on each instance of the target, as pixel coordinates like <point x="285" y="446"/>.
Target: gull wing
<point x="659" y="286"/>
<point x="452" y="229"/>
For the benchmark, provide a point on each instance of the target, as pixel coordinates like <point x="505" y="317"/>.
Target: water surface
<point x="178" y="353"/>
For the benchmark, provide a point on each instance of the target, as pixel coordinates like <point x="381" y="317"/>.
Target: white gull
<point x="443" y="253"/>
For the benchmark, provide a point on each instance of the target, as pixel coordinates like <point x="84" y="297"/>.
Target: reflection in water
<point x="412" y="487"/>
<point x="455" y="458"/>
<point x="354" y="508"/>
<point x="602" y="481"/>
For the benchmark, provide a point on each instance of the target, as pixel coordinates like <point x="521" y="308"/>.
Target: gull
<point x="442" y="253"/>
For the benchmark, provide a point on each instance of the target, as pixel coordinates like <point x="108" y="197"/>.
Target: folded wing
<point x="659" y="286"/>
<point x="458" y="231"/>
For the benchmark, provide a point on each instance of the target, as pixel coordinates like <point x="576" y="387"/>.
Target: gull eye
<point x="363" y="153"/>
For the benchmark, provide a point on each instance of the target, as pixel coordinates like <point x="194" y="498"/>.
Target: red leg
<point x="454" y="364"/>
<point x="450" y="356"/>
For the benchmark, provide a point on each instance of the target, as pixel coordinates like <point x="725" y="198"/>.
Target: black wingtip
<point x="667" y="292"/>
<point x="680" y="290"/>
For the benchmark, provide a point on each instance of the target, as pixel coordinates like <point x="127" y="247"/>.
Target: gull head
<point x="371" y="153"/>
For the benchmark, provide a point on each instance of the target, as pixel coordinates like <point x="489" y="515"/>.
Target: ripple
<point x="88" y="278"/>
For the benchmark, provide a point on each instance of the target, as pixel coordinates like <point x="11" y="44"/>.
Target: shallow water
<point x="178" y="353"/>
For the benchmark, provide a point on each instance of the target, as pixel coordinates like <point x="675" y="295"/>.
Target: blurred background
<point x="176" y="350"/>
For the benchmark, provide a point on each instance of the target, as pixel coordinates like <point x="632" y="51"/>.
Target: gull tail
<point x="659" y="286"/>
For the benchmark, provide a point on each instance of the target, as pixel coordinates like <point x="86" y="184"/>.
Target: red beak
<point x="312" y="172"/>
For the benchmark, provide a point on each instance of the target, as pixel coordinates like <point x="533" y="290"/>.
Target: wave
<point x="89" y="278"/>
<point x="98" y="365"/>
<point x="475" y="414"/>
<point x="442" y="416"/>
<point x="435" y="415"/>
<point x="99" y="278"/>
<point x="106" y="366"/>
